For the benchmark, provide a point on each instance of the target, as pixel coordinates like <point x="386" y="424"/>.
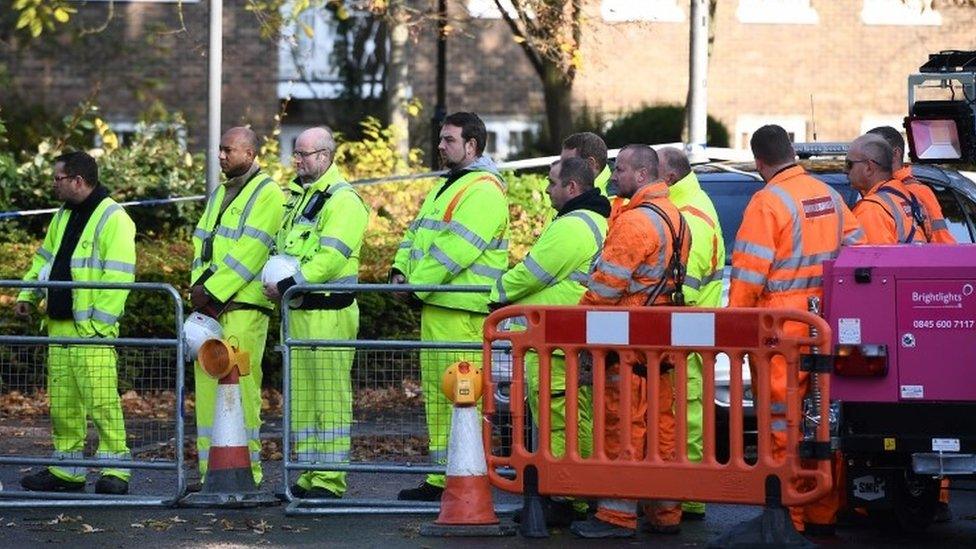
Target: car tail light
<point x="861" y="360"/>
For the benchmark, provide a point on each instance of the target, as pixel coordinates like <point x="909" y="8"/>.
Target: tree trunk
<point x="557" y="87"/>
<point x="397" y="75"/>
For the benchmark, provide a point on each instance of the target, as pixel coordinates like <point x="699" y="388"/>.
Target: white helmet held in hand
<point x="197" y="329"/>
<point x="278" y="268"/>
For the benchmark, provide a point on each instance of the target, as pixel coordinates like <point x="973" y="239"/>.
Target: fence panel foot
<point x="773" y="528"/>
<point x="533" y="519"/>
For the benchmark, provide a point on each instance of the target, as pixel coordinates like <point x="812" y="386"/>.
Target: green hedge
<point x="660" y="124"/>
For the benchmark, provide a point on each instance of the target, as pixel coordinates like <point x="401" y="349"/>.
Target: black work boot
<point x="594" y="528"/>
<point x="424" y="492"/>
<point x="46" y="481"/>
<point x="109" y="484"/>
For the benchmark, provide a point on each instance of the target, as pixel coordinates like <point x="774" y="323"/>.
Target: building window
<point x="286" y="141"/>
<point x="797" y="12"/>
<point x="486" y="9"/>
<point x="746" y="125"/>
<point x="126" y="131"/>
<point x="900" y="12"/>
<point x="623" y="11"/>
<point x="307" y="67"/>
<point x="509" y="136"/>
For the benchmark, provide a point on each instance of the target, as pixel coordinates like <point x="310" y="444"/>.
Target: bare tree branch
<point x="522" y="37"/>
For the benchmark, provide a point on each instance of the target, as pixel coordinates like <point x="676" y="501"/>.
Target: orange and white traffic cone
<point x="229" y="481"/>
<point x="466" y="505"/>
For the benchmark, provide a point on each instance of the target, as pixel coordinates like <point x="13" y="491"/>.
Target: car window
<point x="958" y="211"/>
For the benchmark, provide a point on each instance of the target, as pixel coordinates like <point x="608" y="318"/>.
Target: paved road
<point x="81" y="527"/>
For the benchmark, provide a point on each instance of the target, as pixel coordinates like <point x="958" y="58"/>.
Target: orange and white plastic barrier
<point x="640" y="344"/>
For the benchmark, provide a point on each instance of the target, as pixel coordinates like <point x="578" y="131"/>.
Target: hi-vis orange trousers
<point x="824" y="510"/>
<point x="623" y="513"/>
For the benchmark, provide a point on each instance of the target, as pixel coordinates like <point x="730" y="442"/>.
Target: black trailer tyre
<point x="915" y="501"/>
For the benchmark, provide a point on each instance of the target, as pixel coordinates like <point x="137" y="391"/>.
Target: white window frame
<point x="747" y="124"/>
<point x="766" y="12"/>
<point x="286" y="140"/>
<point x="627" y="11"/>
<point x="326" y="82"/>
<point x="486" y="9"/>
<point x="900" y="12"/>
<point x="502" y="127"/>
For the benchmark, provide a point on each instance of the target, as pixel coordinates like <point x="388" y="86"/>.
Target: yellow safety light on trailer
<point x="461" y="384"/>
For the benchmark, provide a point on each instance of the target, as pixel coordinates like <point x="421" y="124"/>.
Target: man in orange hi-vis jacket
<point x="935" y="226"/>
<point x="887" y="211"/>
<point x="788" y="229"/>
<point x="642" y="263"/>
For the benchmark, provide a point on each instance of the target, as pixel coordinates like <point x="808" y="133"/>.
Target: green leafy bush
<point x="660" y="124"/>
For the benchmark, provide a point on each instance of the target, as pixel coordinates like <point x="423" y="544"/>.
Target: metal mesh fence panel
<point x="370" y="406"/>
<point x="86" y="408"/>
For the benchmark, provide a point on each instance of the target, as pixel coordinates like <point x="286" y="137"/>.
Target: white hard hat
<point x="197" y="329"/>
<point x="278" y="268"/>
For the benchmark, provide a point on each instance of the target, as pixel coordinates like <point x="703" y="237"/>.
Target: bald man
<point x="231" y="244"/>
<point x="887" y="211"/>
<point x="323" y="229"/>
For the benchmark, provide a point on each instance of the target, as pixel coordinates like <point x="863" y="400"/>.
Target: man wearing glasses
<point x="231" y="244"/>
<point x="888" y="211"/>
<point x="90" y="239"/>
<point x="323" y="229"/>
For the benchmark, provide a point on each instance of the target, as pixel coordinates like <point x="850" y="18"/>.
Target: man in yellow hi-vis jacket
<point x="90" y="239"/>
<point x="323" y="229"/>
<point x="231" y="244"/>
<point x="460" y="237"/>
<point x="555" y="272"/>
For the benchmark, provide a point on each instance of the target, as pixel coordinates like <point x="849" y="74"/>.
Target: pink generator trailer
<point x="904" y="376"/>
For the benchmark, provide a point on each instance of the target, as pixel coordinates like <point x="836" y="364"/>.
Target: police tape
<point x="148" y="202"/>
<point x="513" y="165"/>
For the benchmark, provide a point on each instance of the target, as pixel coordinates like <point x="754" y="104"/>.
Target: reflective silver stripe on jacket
<point x="485" y="270"/>
<point x="239" y="268"/>
<point x="336" y="244"/>
<point x="794" y="284"/>
<point x="538" y="271"/>
<point x="747" y="275"/>
<point x="753" y="249"/>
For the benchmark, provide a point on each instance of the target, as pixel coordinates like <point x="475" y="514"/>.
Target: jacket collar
<point x="903" y="173"/>
<point x="327" y="180"/>
<point x="647" y="193"/>
<point x="893" y="183"/>
<point x="684" y="188"/>
<point x="592" y="200"/>
<point x="788" y="172"/>
<point x="243" y="179"/>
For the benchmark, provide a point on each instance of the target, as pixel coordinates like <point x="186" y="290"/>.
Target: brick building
<point x="143" y="56"/>
<point x="836" y="67"/>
